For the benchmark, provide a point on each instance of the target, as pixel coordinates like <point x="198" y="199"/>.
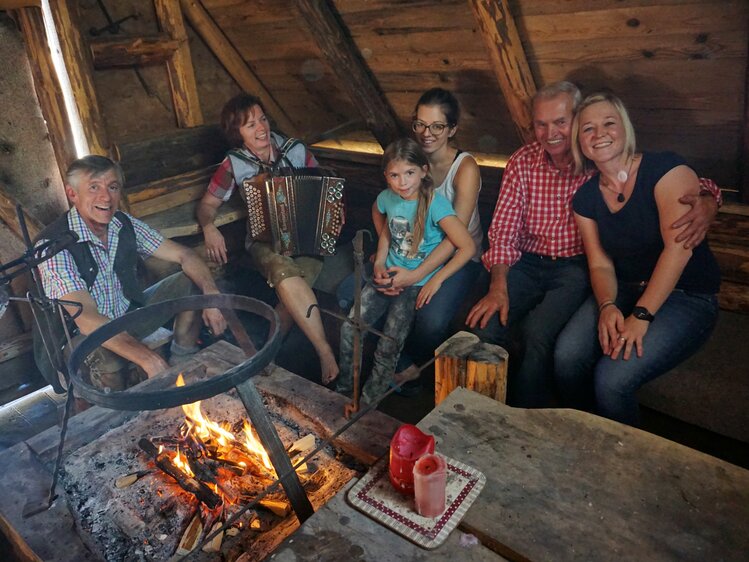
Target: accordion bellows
<point x="298" y="211"/>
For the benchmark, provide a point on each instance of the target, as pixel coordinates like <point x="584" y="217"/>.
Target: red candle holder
<point x="408" y="444"/>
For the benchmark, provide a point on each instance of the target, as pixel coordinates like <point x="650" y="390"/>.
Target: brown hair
<point x="234" y="115"/>
<point x="408" y="150"/>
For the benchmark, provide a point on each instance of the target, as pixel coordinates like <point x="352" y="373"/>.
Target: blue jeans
<point x="588" y="380"/>
<point x="544" y="293"/>
<point x="432" y="322"/>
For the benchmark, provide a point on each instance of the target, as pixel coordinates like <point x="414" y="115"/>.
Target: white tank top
<point x="447" y="189"/>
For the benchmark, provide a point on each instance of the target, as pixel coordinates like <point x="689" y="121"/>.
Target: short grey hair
<point x="554" y="89"/>
<point x="92" y="165"/>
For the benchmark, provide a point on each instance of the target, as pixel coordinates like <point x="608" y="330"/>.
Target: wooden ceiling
<point x="679" y="65"/>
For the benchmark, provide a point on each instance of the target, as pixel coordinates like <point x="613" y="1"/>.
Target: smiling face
<point x="601" y="133"/>
<point x="405" y="178"/>
<point x="429" y="142"/>
<point x="552" y="120"/>
<point x="255" y="132"/>
<point x="96" y="197"/>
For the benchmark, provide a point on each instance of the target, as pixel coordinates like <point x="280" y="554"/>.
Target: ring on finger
<point x="622" y="339"/>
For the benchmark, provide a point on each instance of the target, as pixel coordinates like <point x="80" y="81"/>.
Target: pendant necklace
<point x="622" y="176"/>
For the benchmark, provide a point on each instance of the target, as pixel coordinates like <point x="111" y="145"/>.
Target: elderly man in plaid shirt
<point x="539" y="274"/>
<point x="99" y="272"/>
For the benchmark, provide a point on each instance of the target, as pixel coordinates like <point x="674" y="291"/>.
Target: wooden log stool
<point x="464" y="360"/>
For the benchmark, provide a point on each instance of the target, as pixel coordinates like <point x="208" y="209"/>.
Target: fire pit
<point x="151" y="517"/>
<point x="206" y="471"/>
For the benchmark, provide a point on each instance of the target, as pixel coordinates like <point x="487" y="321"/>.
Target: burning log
<point x="199" y="489"/>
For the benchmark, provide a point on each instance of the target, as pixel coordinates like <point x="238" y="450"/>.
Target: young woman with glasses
<point x="456" y="176"/>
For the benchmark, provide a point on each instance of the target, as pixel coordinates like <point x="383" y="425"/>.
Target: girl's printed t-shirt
<point x="401" y="216"/>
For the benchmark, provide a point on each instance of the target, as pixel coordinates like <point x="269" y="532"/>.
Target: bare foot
<point x="328" y="368"/>
<point x="408" y="374"/>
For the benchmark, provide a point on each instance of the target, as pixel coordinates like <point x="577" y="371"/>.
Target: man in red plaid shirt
<point x="539" y="274"/>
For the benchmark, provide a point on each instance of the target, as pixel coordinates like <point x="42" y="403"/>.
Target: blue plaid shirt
<point x="60" y="275"/>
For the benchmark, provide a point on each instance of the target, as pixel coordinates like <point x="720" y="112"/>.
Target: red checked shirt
<point x="534" y="210"/>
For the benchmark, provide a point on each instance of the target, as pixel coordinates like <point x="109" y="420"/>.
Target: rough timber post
<point x="463" y="360"/>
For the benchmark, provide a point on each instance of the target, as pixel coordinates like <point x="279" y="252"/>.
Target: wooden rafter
<point x="233" y="62"/>
<point x="744" y="154"/>
<point x="179" y="66"/>
<point x="132" y="51"/>
<point x="354" y="77"/>
<point x="79" y="66"/>
<point x="508" y="60"/>
<point x="16" y="4"/>
<point x="47" y="86"/>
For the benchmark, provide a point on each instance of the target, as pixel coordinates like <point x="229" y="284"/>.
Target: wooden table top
<point x="561" y="485"/>
<point x="564" y="485"/>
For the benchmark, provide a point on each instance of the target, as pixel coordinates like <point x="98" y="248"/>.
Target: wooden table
<point x="562" y="485"/>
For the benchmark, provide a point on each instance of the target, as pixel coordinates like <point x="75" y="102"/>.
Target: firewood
<point x="301" y="445"/>
<point x="130" y="479"/>
<point x="191" y="536"/>
<point x="199" y="489"/>
<point x="278" y="507"/>
<point x="232" y="532"/>
<point x="215" y="544"/>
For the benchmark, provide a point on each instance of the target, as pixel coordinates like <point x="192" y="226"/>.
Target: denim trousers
<point x="588" y="380"/>
<point x="399" y="314"/>
<point x="431" y="325"/>
<point x="543" y="293"/>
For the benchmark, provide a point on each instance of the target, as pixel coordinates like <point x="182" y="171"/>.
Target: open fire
<point x="158" y="485"/>
<point x="209" y="460"/>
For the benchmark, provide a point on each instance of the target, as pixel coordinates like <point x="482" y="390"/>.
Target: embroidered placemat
<point x="376" y="497"/>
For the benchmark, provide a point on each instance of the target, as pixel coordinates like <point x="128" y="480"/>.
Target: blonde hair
<point x="582" y="163"/>
<point x="408" y="150"/>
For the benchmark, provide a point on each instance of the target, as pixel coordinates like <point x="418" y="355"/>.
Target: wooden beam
<point x="508" y="61"/>
<point x="233" y="62"/>
<point x="132" y="51"/>
<point x="47" y="86"/>
<point x="180" y="69"/>
<point x="9" y="216"/>
<point x="79" y="67"/>
<point x="16" y="4"/>
<point x="342" y="54"/>
<point x="744" y="158"/>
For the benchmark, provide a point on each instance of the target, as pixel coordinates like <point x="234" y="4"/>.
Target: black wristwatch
<point x="642" y="313"/>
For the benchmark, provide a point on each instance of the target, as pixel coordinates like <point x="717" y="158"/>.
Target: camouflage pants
<point x="400" y="312"/>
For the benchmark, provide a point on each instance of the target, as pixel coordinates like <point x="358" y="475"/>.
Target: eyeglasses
<point x="435" y="128"/>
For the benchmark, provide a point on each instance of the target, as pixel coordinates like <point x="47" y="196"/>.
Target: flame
<point x="254" y="446"/>
<point x="181" y="463"/>
<point x="204" y="427"/>
<point x="208" y="429"/>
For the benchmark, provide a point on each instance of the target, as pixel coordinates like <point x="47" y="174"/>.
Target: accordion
<point x="299" y="211"/>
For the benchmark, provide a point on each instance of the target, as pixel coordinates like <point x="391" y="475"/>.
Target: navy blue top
<point x="631" y="236"/>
